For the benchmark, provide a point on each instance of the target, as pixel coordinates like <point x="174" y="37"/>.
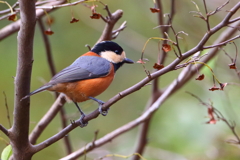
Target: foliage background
<point x="178" y="129"/>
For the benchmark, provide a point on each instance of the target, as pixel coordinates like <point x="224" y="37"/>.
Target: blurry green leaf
<point x="7" y="152"/>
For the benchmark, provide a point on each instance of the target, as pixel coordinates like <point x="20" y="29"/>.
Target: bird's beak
<point x="126" y="60"/>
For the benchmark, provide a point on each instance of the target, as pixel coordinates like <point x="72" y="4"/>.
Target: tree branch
<point x="234" y="20"/>
<point x="156" y="93"/>
<point x="53" y="72"/>
<point x="111" y="20"/>
<point x="222" y="43"/>
<point x="4" y="130"/>
<point x="18" y="134"/>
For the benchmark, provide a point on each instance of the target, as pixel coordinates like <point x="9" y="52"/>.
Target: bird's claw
<point x="100" y="103"/>
<point x="104" y="113"/>
<point x="82" y="124"/>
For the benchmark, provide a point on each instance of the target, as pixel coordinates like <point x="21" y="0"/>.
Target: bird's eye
<point x="116" y="51"/>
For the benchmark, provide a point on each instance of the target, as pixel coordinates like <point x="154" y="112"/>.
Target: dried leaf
<point x="214" y="88"/>
<point x="13" y="17"/>
<point x="95" y="16"/>
<point x="212" y="121"/>
<point x="155" y="10"/>
<point x="49" y="32"/>
<point x="200" y="77"/>
<point x="166" y="47"/>
<point x="158" y="66"/>
<point x="74" y="20"/>
<point x="232" y="66"/>
<point x="210" y="114"/>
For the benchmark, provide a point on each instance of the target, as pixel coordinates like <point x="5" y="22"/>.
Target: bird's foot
<point x="100" y="104"/>
<point x="104" y="113"/>
<point x="82" y="123"/>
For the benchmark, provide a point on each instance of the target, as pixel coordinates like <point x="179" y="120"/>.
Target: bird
<point x="88" y="76"/>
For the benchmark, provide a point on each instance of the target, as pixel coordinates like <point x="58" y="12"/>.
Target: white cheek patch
<point x="112" y="56"/>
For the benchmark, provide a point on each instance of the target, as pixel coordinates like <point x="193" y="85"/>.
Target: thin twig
<point x="47" y="48"/>
<point x="222" y="43"/>
<point x="110" y="20"/>
<point x="176" y="37"/>
<point x="4" y="130"/>
<point x="234" y="20"/>
<point x="6" y="105"/>
<point x="9" y="10"/>
<point x="53" y="72"/>
<point x="62" y="5"/>
<point x="207" y="16"/>
<point x="220" y="116"/>
<point x="218" y="8"/>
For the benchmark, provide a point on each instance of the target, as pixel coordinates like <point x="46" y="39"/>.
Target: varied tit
<point x="89" y="75"/>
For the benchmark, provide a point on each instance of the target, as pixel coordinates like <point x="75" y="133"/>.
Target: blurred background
<point x="178" y="130"/>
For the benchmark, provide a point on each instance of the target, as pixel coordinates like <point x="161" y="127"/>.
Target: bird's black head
<point x="112" y="52"/>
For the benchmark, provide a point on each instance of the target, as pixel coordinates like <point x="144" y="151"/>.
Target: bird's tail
<point x="37" y="91"/>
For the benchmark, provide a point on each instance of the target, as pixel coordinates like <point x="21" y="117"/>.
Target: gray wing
<point x="85" y="67"/>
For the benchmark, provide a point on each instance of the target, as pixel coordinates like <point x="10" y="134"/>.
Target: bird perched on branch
<point x="89" y="75"/>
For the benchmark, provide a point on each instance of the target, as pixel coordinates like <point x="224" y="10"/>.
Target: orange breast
<point x="81" y="90"/>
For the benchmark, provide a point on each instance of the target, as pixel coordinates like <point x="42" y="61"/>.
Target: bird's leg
<point x="82" y="124"/>
<point x="100" y="104"/>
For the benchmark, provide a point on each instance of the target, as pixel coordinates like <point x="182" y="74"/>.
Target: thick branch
<point x="18" y="134"/>
<point x="111" y="20"/>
